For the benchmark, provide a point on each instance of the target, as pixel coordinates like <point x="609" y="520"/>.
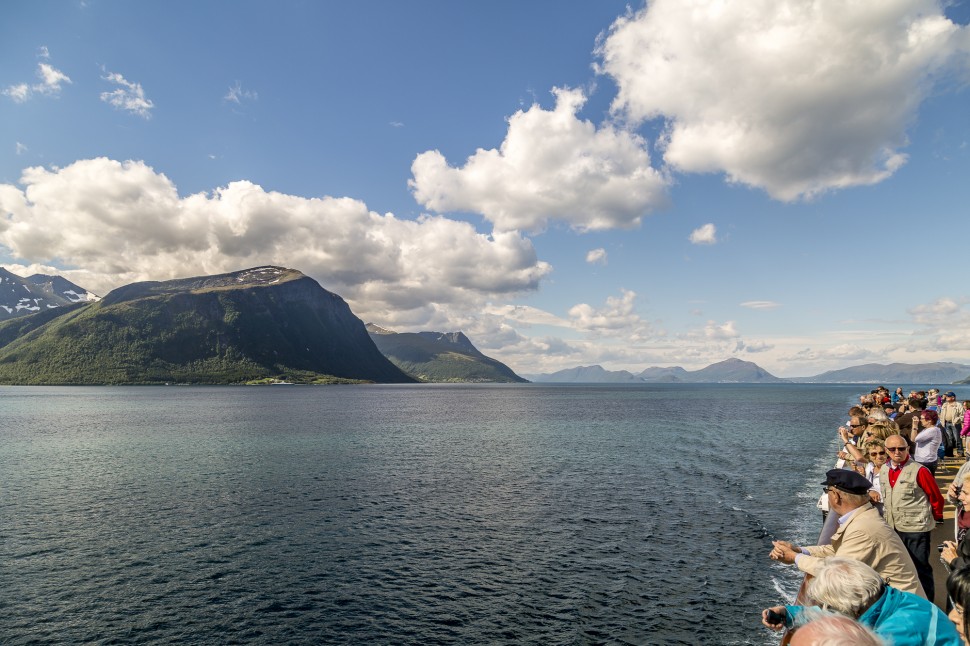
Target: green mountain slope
<point x="441" y="357"/>
<point x="259" y="324"/>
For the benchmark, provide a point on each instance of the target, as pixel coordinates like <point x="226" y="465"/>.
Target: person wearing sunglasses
<point x="912" y="505"/>
<point x="876" y="452"/>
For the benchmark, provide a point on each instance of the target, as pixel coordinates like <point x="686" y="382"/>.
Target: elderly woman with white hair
<point x="852" y="588"/>
<point x="822" y="628"/>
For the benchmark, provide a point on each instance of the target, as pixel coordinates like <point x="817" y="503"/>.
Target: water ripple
<point x="401" y="515"/>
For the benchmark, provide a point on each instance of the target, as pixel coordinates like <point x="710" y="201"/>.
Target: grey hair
<point x="817" y="627"/>
<point x="878" y="414"/>
<point x="845" y="585"/>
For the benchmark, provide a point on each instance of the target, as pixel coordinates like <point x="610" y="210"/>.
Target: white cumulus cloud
<point x="121" y="222"/>
<point x="937" y="311"/>
<point x="944" y="324"/>
<point x="552" y="167"/>
<point x="596" y="256"/>
<point x="754" y="347"/>
<point x="720" y="332"/>
<point x="842" y="353"/>
<point x="790" y="96"/>
<point x="618" y="316"/>
<point x="18" y="93"/>
<point x="128" y="96"/>
<point x="706" y="234"/>
<point x="51" y="80"/>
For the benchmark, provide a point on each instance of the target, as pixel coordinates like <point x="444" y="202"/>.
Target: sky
<point x="570" y="183"/>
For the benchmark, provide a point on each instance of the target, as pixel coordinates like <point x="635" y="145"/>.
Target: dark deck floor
<point x="944" y="531"/>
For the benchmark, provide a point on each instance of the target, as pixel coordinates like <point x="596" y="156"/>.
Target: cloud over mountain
<point x="122" y="222"/>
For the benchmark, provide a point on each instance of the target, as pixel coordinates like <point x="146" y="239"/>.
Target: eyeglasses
<point x="897" y="448"/>
<point x="878" y="453"/>
<point x="857" y="425"/>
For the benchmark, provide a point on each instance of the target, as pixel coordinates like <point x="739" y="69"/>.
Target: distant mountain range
<point x="894" y="373"/>
<point x="440" y="357"/>
<point x="738" y="371"/>
<point x="263" y="324"/>
<point x="727" y="371"/>
<point x="270" y="324"/>
<point x="23" y="296"/>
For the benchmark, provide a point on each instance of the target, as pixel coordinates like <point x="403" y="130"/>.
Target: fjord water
<point x="500" y="514"/>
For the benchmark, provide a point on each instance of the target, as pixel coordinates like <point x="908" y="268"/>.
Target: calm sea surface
<point x="525" y="514"/>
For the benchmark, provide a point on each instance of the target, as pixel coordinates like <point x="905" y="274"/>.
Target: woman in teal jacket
<point x="855" y="590"/>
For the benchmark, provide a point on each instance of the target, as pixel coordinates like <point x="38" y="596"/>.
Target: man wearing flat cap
<point x="862" y="535"/>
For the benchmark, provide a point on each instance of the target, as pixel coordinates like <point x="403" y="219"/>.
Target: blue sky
<point x="570" y="183"/>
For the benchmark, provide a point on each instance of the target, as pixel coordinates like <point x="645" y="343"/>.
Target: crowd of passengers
<point x="872" y="583"/>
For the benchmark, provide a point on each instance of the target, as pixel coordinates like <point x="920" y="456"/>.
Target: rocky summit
<point x="24" y="296"/>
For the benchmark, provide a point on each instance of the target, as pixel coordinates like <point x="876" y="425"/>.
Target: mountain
<point x="734" y="371"/>
<point x="727" y="371"/>
<point x="894" y="373"/>
<point x="24" y="296"/>
<point x="587" y="375"/>
<point x="664" y="375"/>
<point x="265" y="323"/>
<point x="440" y="357"/>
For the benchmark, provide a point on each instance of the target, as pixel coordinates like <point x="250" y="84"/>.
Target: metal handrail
<point x="829" y="527"/>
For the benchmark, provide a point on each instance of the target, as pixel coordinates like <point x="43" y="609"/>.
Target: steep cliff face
<point x="262" y="323"/>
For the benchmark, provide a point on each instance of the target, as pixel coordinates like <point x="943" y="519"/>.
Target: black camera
<point x="940" y="548"/>
<point x="775" y="618"/>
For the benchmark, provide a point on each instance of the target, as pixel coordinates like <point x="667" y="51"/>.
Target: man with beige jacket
<point x="862" y="535"/>
<point x="951" y="419"/>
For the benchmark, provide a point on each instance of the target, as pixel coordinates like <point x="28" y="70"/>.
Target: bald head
<point x="834" y="630"/>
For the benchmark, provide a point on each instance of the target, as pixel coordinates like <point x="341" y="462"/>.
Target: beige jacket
<point x="951" y="412"/>
<point x="906" y="508"/>
<point x="866" y="537"/>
